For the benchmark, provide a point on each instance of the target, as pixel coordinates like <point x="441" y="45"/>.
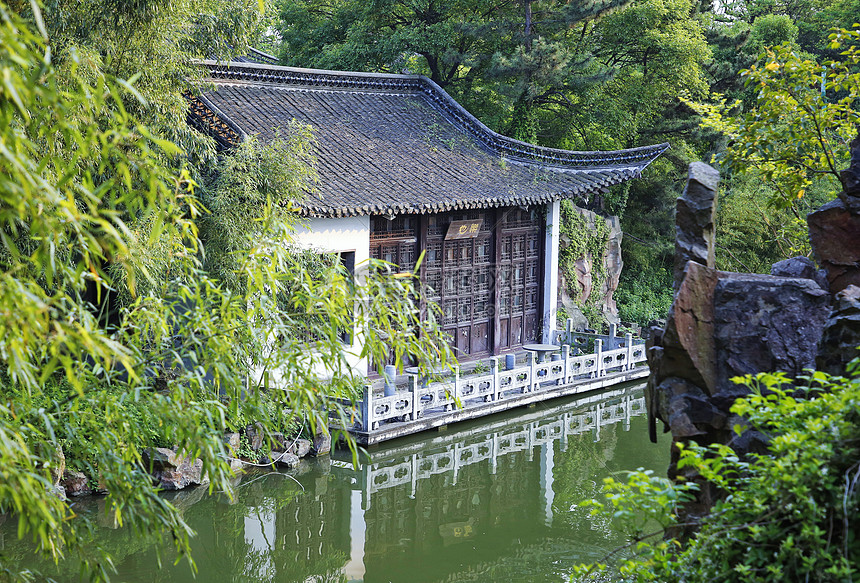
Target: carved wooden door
<point x="394" y="241"/>
<point x="458" y="273"/>
<point x="518" y="277"/>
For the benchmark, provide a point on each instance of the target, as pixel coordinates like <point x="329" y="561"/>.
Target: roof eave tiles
<point x="368" y="126"/>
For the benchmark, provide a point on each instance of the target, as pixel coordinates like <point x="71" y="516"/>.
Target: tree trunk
<point x="527" y="30"/>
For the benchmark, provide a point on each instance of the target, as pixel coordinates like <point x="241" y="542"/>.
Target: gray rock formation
<point x="841" y="335"/>
<point x="800" y="267"/>
<point x="285" y="459"/>
<point x="301" y="447"/>
<point x="766" y="324"/>
<point x="255" y="433"/>
<point x="834" y="233"/>
<point x="723" y="325"/>
<point x="834" y="229"/>
<point x="173" y="471"/>
<point x="694" y="219"/>
<point x="75" y="483"/>
<point x="321" y="444"/>
<point x="231" y="443"/>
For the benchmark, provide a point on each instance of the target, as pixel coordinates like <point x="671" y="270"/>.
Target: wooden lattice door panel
<point x="518" y="277"/>
<point x="395" y="241"/>
<point x="458" y="275"/>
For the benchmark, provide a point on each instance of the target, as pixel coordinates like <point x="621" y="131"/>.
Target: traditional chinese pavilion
<point x="403" y="168"/>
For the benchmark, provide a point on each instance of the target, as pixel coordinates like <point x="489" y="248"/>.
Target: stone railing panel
<point x="452" y="393"/>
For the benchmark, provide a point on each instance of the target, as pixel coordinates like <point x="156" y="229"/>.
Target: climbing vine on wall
<point x="583" y="237"/>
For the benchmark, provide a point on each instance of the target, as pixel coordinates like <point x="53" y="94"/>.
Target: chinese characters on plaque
<point x="463" y="229"/>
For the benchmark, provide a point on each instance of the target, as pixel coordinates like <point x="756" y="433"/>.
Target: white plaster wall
<point x="335" y="235"/>
<point x="331" y="236"/>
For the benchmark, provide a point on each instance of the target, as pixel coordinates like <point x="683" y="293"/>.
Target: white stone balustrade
<point x="459" y="393"/>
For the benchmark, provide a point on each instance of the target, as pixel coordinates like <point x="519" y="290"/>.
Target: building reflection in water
<point x="494" y="501"/>
<point x="486" y="489"/>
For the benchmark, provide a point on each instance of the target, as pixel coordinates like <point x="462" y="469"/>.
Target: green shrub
<point x="643" y="299"/>
<point x="790" y="514"/>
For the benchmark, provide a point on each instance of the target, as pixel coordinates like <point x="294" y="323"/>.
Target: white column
<point x="550" y="270"/>
<point x="546" y="480"/>
<point x="354" y="568"/>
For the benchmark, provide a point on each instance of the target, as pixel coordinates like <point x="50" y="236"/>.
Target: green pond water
<point x="496" y="500"/>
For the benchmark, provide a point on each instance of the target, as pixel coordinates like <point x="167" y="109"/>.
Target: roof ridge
<point x="502" y="145"/>
<point x="264" y="55"/>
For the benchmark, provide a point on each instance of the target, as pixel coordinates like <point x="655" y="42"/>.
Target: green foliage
<point x="154" y="42"/>
<point x="644" y="299"/>
<point x="643" y="501"/>
<point x="751" y="235"/>
<point x="796" y="135"/>
<point x="584" y="240"/>
<point x="454" y="42"/>
<point x="785" y="515"/>
<point x="645" y="287"/>
<point x="256" y="179"/>
<point x="86" y="192"/>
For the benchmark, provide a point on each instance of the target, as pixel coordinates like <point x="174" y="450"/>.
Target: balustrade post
<point x="568" y="327"/>
<point x="531" y="441"/>
<point x="564" y="430"/>
<point x="628" y="410"/>
<point x="456" y="388"/>
<point x="629" y="361"/>
<point x="414" y="476"/>
<point x="456" y="463"/>
<point x="495" y="361"/>
<point x="598" y="352"/>
<point x="532" y="372"/>
<point x="613" y="330"/>
<point x="390" y="372"/>
<point x="367" y="409"/>
<point x="494" y="453"/>
<point x="565" y="356"/>
<point x="415" y="399"/>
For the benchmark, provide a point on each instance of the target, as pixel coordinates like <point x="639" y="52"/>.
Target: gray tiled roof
<point x="391" y="144"/>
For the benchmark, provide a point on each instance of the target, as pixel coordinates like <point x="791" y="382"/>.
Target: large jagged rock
<point x="321" y="443"/>
<point x="694" y="220"/>
<point x="766" y="324"/>
<point x="686" y="347"/>
<point x="722" y="325"/>
<point x="834" y="229"/>
<point x="688" y="410"/>
<point x="285" y="459"/>
<point x="568" y="304"/>
<point x="173" y="471"/>
<point x="75" y="483"/>
<point x="800" y="267"/>
<point x="255" y="434"/>
<point x="841" y="335"/>
<point x="301" y="447"/>
<point x="613" y="264"/>
<point x="834" y="233"/>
